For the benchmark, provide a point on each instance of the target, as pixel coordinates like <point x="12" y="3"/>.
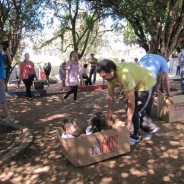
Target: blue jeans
<point x="182" y="80"/>
<point x="93" y="72"/>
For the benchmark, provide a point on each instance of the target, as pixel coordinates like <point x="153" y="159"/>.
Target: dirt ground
<point x="160" y="160"/>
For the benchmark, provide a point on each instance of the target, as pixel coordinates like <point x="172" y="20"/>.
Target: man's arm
<point x="131" y="106"/>
<point x="110" y="100"/>
<point x="166" y="84"/>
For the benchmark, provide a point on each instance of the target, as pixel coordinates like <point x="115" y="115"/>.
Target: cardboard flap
<point x="177" y="99"/>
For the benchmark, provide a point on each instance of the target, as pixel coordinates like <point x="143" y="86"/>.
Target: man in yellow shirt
<point x="137" y="82"/>
<point x="93" y="61"/>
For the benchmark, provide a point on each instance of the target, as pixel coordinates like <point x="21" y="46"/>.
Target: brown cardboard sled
<point x="171" y="109"/>
<point x="85" y="150"/>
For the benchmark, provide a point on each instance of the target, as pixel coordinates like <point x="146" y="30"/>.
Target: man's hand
<point x="128" y="123"/>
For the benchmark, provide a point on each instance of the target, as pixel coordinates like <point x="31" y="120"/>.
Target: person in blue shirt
<point x="5" y="59"/>
<point x="181" y="63"/>
<point x="157" y="65"/>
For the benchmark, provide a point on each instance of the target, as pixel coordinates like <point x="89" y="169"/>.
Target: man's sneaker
<point x="10" y="120"/>
<point x="155" y="130"/>
<point x="134" y="141"/>
<point x="63" y="100"/>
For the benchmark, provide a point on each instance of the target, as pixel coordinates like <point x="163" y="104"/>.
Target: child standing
<point x="62" y="75"/>
<point x="72" y="73"/>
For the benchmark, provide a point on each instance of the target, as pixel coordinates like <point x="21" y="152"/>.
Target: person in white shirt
<point x="84" y="74"/>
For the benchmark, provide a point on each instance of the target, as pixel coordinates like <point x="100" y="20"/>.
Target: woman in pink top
<point x="72" y="73"/>
<point x="27" y="74"/>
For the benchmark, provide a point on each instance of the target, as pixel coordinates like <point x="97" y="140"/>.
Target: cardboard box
<point x="171" y="109"/>
<point x="82" y="151"/>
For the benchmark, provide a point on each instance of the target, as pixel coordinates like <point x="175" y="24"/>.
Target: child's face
<point x="64" y="66"/>
<point x="74" y="56"/>
<point x="73" y="130"/>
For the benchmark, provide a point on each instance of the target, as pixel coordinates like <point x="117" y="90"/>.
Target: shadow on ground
<point x="160" y="160"/>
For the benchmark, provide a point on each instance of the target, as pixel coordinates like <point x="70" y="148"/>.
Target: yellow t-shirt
<point x="133" y="76"/>
<point x="93" y="62"/>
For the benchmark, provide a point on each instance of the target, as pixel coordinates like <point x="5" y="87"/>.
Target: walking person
<point x="27" y="74"/>
<point x="137" y="83"/>
<point x="4" y="50"/>
<point x="62" y="75"/>
<point x="47" y="70"/>
<point x="72" y="74"/>
<point x="93" y="61"/>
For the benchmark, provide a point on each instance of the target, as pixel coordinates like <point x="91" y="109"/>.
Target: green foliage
<point x="129" y="36"/>
<point x="79" y="26"/>
<point x="19" y="19"/>
<point x="52" y="80"/>
<point x="159" y="25"/>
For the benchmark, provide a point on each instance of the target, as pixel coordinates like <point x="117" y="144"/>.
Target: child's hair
<point x="85" y="65"/>
<point x="98" y="122"/>
<point x="62" y="64"/>
<point x="66" y="123"/>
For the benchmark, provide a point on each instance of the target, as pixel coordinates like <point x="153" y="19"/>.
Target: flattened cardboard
<point x="171" y="109"/>
<point x="85" y="150"/>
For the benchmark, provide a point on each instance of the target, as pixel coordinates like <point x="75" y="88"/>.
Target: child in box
<point x="70" y="128"/>
<point x="98" y="123"/>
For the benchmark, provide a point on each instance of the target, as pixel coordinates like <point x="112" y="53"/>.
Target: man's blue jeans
<point x="93" y="72"/>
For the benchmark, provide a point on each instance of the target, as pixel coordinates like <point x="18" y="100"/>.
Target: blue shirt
<point x="154" y="63"/>
<point x="2" y="67"/>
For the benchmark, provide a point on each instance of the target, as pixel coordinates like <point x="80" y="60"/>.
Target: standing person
<point x="135" y="60"/>
<point x="62" y="75"/>
<point x="27" y="74"/>
<point x="157" y="65"/>
<point x="84" y="74"/>
<point x="122" y="60"/>
<point x="4" y="49"/>
<point x="137" y="83"/>
<point x="47" y="70"/>
<point x="72" y="73"/>
<point x="181" y="62"/>
<point x="93" y="61"/>
<point x="178" y="68"/>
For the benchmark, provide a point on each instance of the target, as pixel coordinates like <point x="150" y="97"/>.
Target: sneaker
<point x="134" y="141"/>
<point x="76" y="101"/>
<point x="148" y="136"/>
<point x="10" y="120"/>
<point x="63" y="100"/>
<point x="155" y="130"/>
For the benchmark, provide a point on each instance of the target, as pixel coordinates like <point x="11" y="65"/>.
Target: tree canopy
<point x="158" y="24"/>
<point x="18" y="19"/>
